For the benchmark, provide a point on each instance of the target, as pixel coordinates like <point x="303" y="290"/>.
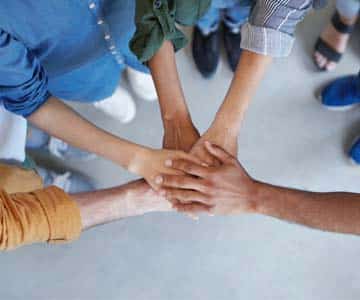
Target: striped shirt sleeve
<point x="271" y="26"/>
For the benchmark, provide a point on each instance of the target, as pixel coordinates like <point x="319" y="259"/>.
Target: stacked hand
<point x="224" y="189"/>
<point x="199" y="184"/>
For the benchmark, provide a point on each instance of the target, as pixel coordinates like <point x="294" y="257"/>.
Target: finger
<point x="193" y="208"/>
<point x="218" y="152"/>
<point x="187" y="167"/>
<point x="181" y="182"/>
<point x="189" y="157"/>
<point x="203" y="155"/>
<point x="188" y="196"/>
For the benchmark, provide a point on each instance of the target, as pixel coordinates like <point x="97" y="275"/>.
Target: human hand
<point x="180" y="135"/>
<point x="225" y="189"/>
<point x="217" y="135"/>
<point x="149" y="163"/>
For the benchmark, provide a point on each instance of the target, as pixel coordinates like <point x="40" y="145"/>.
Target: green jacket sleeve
<point x="156" y="22"/>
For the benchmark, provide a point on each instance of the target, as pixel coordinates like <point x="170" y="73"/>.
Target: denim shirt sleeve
<point x="23" y="82"/>
<point x="156" y="22"/>
<point x="271" y="26"/>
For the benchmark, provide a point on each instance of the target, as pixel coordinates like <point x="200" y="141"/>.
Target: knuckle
<point x="208" y="186"/>
<point x="180" y="180"/>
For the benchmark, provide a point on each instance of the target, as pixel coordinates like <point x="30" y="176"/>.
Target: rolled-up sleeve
<point x="23" y="81"/>
<point x="156" y="22"/>
<point x="47" y="215"/>
<point x="271" y="26"/>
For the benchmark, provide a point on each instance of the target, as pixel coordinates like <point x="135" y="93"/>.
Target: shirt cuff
<point x="62" y="213"/>
<point x="266" y="41"/>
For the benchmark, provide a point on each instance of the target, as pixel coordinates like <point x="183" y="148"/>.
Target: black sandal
<point x="325" y="49"/>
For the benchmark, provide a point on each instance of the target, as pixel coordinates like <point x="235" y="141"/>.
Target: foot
<point x="232" y="40"/>
<point x="39" y="140"/>
<point x="142" y="84"/>
<point x="336" y="40"/>
<point x="119" y="106"/>
<point x="70" y="182"/>
<point x="354" y="152"/>
<point x="206" y="51"/>
<point x="342" y="93"/>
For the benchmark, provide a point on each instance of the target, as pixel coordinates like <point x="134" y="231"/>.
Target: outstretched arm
<point x="179" y="131"/>
<point x="228" y="189"/>
<point x="50" y="215"/>
<point x="269" y="33"/>
<point x="61" y="121"/>
<point x="225" y="128"/>
<point x="131" y="199"/>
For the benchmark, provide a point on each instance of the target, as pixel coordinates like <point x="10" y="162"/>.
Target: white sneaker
<point x="120" y="106"/>
<point x="142" y="84"/>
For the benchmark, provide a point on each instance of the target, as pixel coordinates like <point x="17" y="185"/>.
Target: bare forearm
<point x="337" y="212"/>
<point x="59" y="120"/>
<point x="165" y="75"/>
<point x="248" y="75"/>
<point x="131" y="199"/>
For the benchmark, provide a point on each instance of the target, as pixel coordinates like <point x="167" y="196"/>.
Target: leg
<point x="234" y="17"/>
<point x="132" y="199"/>
<point x="206" y="43"/>
<point x="39" y="140"/>
<point x="210" y="21"/>
<point x="237" y="15"/>
<point x="334" y="39"/>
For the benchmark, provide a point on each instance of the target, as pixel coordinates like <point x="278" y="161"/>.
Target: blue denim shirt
<point x="71" y="49"/>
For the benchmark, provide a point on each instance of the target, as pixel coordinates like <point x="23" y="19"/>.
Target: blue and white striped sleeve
<point x="271" y="26"/>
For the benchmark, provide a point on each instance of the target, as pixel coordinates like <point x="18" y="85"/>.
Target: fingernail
<point x="158" y="180"/>
<point x="162" y="192"/>
<point x="168" y="163"/>
<point x="207" y="143"/>
<point x="204" y="164"/>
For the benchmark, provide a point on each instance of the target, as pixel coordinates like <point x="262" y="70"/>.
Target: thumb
<point x="218" y="152"/>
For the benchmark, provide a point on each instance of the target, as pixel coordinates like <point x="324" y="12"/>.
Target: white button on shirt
<point x="107" y="37"/>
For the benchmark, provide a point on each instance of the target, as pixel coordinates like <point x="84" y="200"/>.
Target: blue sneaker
<point x="354" y="152"/>
<point x="38" y="139"/>
<point x="342" y="93"/>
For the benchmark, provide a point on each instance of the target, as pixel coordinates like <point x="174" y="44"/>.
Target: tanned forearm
<point x="59" y="120"/>
<point x="166" y="79"/>
<point x="336" y="212"/>
<point x="248" y="75"/>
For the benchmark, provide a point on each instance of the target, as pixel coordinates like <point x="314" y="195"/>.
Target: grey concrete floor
<point x="287" y="139"/>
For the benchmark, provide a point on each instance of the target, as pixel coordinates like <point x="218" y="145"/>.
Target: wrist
<point x="177" y="119"/>
<point x="226" y="125"/>
<point x="137" y="158"/>
<point x="263" y="198"/>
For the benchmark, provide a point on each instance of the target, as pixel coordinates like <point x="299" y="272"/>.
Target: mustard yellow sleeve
<point x="46" y="215"/>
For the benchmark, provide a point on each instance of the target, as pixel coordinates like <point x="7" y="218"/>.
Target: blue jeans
<point x="348" y="8"/>
<point x="233" y="13"/>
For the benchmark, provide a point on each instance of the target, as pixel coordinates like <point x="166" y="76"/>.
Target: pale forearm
<point x="248" y="75"/>
<point x="337" y="212"/>
<point x="59" y="120"/>
<point x="131" y="199"/>
<point x="166" y="79"/>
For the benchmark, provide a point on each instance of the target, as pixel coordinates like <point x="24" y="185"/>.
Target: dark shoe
<point x="232" y="47"/>
<point x="206" y="51"/>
